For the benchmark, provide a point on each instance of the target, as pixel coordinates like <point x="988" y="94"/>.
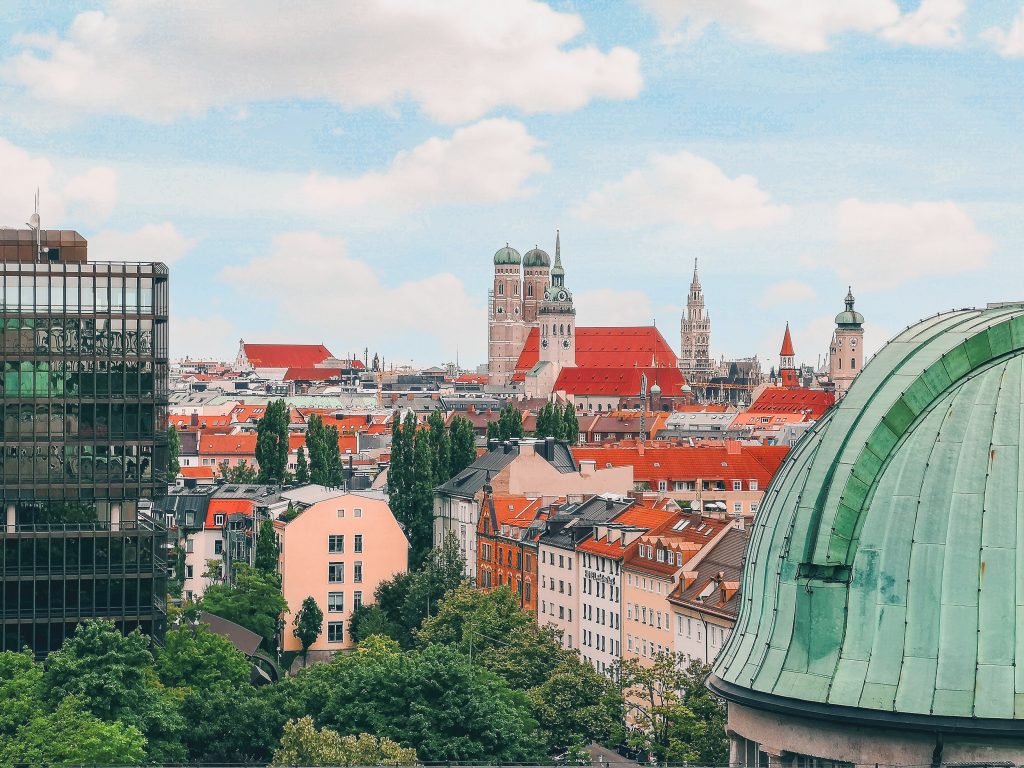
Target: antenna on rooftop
<point x="34" y="225"/>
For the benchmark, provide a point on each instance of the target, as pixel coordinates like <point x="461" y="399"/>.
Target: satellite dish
<point x="33" y="221"/>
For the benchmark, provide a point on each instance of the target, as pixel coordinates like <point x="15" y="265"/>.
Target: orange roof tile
<point x="197" y="473"/>
<point x="286" y="355"/>
<point x="227" y="507"/>
<point x="682" y="462"/>
<point x="787" y="344"/>
<point x="227" y="445"/>
<point x="611" y="347"/>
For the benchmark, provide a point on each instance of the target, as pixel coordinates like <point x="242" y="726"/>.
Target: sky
<point x="343" y="172"/>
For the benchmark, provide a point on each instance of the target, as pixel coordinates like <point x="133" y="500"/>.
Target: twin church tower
<point x="529" y="293"/>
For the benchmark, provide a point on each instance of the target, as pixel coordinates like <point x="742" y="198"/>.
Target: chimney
<point x="549" y="448"/>
<point x="507" y="446"/>
<point x="732" y="447"/>
<point x="553" y="508"/>
<point x="588" y="467"/>
<point x="492" y="444"/>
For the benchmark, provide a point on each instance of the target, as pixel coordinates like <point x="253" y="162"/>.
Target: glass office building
<point x="83" y="415"/>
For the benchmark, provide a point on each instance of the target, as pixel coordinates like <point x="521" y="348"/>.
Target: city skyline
<point x="306" y="189"/>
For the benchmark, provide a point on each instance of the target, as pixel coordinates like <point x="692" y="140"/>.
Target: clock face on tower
<point x="544" y="343"/>
<point x="501" y="310"/>
<point x="853" y="342"/>
<point x="565" y="343"/>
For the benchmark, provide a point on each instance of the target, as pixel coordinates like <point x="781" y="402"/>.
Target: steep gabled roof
<point x="286" y="355"/>
<point x="787" y="345"/>
<point x="612" y="347"/>
<point x="793" y="400"/>
<point x="618" y="381"/>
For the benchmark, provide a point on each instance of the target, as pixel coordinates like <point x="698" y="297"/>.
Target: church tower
<point x="788" y="373"/>
<point x="536" y="267"/>
<point x="846" y="354"/>
<point x="505" y="334"/>
<point x="557" y="317"/>
<point x="695" y="335"/>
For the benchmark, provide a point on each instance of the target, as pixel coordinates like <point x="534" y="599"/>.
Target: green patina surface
<point x="886" y="568"/>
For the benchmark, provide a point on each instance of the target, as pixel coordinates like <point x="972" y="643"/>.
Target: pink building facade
<point x="338" y="551"/>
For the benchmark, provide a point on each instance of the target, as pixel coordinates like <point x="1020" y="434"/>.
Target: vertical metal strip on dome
<point x="832" y="558"/>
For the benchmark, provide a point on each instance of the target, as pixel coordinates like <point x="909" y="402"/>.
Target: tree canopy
<point x="309" y="622"/>
<point x="272" y="442"/>
<point x="196" y="657"/>
<point x="254" y="600"/>
<point x="303" y="744"/>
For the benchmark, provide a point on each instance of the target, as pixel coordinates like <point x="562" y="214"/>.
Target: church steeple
<point x="695" y="334"/>
<point x="557" y="272"/>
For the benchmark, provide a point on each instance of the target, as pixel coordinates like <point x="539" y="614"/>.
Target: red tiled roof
<point x="682" y="462"/>
<point x="346" y="443"/>
<point x="198" y="473"/>
<point x="793" y="400"/>
<point x="612" y="347"/>
<point x="618" y="381"/>
<point x="516" y="510"/>
<point x="679" y="532"/>
<point x="244" y="412"/>
<point x="787" y="344"/>
<point x="636" y="516"/>
<point x="286" y="355"/>
<point x="312" y="374"/>
<point x="227" y="507"/>
<point x="472" y="378"/>
<point x="227" y="445"/>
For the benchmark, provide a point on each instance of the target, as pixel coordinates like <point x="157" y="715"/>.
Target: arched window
<point x="853" y="362"/>
<point x="561" y="330"/>
<point x="501" y="289"/>
<point x="568" y="329"/>
<point x="515" y="289"/>
<point x="529" y="289"/>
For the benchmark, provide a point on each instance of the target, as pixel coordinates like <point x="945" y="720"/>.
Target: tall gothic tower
<point x="536" y="277"/>
<point x="505" y="337"/>
<point x="695" y="335"/>
<point x="557" y="317"/>
<point x="846" y="354"/>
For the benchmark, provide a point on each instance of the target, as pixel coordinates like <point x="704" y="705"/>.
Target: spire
<point x="849" y="299"/>
<point x="695" y="283"/>
<point x="558" y="246"/>
<point x="787" y="344"/>
<point x="557" y="272"/>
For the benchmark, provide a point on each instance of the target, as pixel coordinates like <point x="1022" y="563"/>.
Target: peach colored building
<point x="338" y="551"/>
<point x="652" y="569"/>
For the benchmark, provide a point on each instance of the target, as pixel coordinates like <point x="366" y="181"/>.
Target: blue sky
<point x="344" y="174"/>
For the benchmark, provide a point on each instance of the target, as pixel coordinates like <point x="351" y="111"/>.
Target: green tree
<point x="303" y="744"/>
<point x="237" y="724"/>
<point x="431" y="700"/>
<point x="173" y="453"/>
<point x="664" y="696"/>
<point x="493" y="431"/>
<point x="21" y="691"/>
<point x="463" y="444"/>
<point x="309" y="623"/>
<point x="570" y="425"/>
<point x="196" y="657"/>
<point x="510" y="422"/>
<point x="301" y="466"/>
<point x="404" y="601"/>
<point x="504" y="638"/>
<point x="440" y="447"/>
<point x="266" y="548"/>
<point x="71" y="735"/>
<point x="575" y="706"/>
<point x="332" y="453"/>
<point x="240" y="473"/>
<point x="420" y="516"/>
<point x="254" y="600"/>
<point x="272" y="442"/>
<point x="316" y="444"/>
<point x="114" y="676"/>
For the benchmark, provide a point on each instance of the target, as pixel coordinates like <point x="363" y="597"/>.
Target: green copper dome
<point x="849" y="318"/>
<point x="535" y="257"/>
<point x="507" y="255"/>
<point x="885" y="573"/>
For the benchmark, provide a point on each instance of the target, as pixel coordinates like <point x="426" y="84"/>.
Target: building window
<point x="218" y="520"/>
<point x="357" y="512"/>
<point x="336" y="573"/>
<point x="189" y="546"/>
<point x="335" y="602"/>
<point x="218" y="546"/>
<point x="341" y="513"/>
<point x="357" y="601"/>
<point x="737" y="485"/>
<point x="853" y="362"/>
<point x="753" y="485"/>
<point x="188" y="571"/>
<point x="358" y="543"/>
<point x="663" y="485"/>
<point x="357" y="572"/>
<point x="336" y="542"/>
<point x="335" y="632"/>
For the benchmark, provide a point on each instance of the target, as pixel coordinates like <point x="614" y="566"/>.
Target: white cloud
<point x="809" y="25"/>
<point x="151" y="242"/>
<point x="787" y="292"/>
<point x="315" y="288"/>
<point x="96" y="190"/>
<point x="889" y="244"/>
<point x="607" y="306"/>
<point x="457" y="60"/>
<point x="211" y="337"/>
<point x="1009" y="43"/>
<point x="92" y="193"/>
<point x="487" y="162"/>
<point x="935" y="23"/>
<point x="681" y="189"/>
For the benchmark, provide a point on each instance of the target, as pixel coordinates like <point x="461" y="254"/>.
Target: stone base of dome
<point x="761" y="737"/>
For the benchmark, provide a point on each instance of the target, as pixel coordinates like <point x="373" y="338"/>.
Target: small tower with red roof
<point x="787" y="362"/>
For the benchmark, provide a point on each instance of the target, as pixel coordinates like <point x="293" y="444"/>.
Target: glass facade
<point x="84" y="350"/>
<point x="83" y="420"/>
